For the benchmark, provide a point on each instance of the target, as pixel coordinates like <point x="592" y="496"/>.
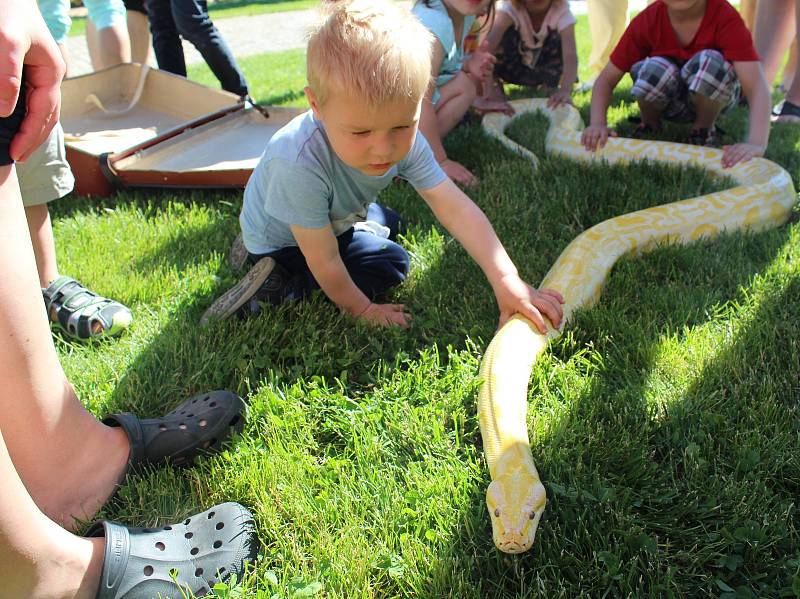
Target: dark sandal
<point x="81" y="313"/>
<point x="199" y="425"/>
<point x="643" y="130"/>
<point x="710" y="138"/>
<point x="199" y="552"/>
<point x="788" y="109"/>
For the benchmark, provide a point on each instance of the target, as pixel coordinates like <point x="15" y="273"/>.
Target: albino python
<point x="764" y="198"/>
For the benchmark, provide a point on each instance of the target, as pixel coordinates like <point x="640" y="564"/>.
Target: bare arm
<point x="428" y="123"/>
<point x="597" y="133"/>
<point x="321" y="251"/>
<point x="502" y="21"/>
<point x="756" y="90"/>
<point x="469" y="225"/>
<point x="569" y="56"/>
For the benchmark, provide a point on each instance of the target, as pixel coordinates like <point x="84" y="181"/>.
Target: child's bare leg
<point x="68" y="460"/>
<point x="651" y="113"/>
<point x="707" y="111"/>
<point x="37" y="557"/>
<point x="44" y="245"/>
<point x="455" y="98"/>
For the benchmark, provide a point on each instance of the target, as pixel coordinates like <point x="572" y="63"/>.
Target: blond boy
<point x="309" y="220"/>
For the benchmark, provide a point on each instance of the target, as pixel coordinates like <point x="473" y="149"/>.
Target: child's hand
<point x="740" y="153"/>
<point x="480" y="62"/>
<point x="559" y="98"/>
<point x="594" y="137"/>
<point x="458" y="173"/>
<point x="386" y="315"/>
<point x="515" y="295"/>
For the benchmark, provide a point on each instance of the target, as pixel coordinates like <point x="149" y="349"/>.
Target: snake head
<point x="516" y="503"/>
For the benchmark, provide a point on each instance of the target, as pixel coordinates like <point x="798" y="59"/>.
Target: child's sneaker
<point x="705" y="137"/>
<point x="265" y="282"/>
<point x="237" y="257"/>
<point x="83" y="314"/>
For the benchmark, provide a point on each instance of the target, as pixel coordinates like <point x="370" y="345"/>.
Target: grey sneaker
<point x="265" y="282"/>
<point x="237" y="257"/>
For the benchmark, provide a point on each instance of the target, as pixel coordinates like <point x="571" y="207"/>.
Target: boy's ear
<point x="312" y="100"/>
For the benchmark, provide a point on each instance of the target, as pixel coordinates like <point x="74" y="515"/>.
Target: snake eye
<point x="532" y="516"/>
<point x="497" y="512"/>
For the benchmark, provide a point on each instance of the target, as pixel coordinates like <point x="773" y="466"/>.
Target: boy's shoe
<point x="265" y="282"/>
<point x="645" y="131"/>
<point x="237" y="256"/>
<point x="83" y="314"/>
<point x="705" y="137"/>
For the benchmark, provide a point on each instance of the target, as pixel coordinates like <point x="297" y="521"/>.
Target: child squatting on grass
<point x="309" y="220"/>
<point x="534" y="44"/>
<point x="689" y="61"/>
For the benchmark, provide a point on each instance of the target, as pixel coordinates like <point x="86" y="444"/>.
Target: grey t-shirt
<point x="300" y="181"/>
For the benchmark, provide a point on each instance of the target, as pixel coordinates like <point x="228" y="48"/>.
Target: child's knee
<point x="395" y="262"/>
<point x="708" y="74"/>
<point x="655" y="80"/>
<point x="465" y="86"/>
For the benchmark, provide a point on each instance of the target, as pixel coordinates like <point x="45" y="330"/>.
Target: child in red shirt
<point x="689" y="60"/>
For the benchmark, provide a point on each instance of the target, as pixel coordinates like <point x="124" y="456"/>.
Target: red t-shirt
<point x="650" y="34"/>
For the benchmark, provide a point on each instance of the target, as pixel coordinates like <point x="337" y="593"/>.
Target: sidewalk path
<point x="254" y="35"/>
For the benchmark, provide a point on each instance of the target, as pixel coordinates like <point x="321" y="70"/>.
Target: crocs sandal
<point x="789" y="110"/>
<point x="81" y="313"/>
<point x="265" y="282"/>
<point x="176" y="560"/>
<point x="199" y="425"/>
<point x="237" y="257"/>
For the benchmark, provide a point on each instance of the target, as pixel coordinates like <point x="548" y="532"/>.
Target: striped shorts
<point x="667" y="84"/>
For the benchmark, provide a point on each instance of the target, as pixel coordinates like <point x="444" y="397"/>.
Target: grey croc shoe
<point x="168" y="562"/>
<point x="199" y="425"/>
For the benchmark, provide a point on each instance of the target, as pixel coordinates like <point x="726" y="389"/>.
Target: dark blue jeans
<point x="170" y="19"/>
<point x="375" y="264"/>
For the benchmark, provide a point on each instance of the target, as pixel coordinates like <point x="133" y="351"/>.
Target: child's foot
<point x="81" y="313"/>
<point x="705" y="137"/>
<point x="645" y="131"/>
<point x="265" y="282"/>
<point x="483" y="105"/>
<point x="789" y="113"/>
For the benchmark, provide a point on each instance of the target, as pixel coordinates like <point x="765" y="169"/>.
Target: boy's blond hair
<point x="372" y="50"/>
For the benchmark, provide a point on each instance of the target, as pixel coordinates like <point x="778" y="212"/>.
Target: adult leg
<point x="607" y="22"/>
<point x="774" y="31"/>
<point x="194" y="24"/>
<point x="107" y="33"/>
<point x="166" y="40"/>
<point x="69" y="462"/>
<point x="791" y="112"/>
<point x="38" y="558"/>
<point x="138" y="30"/>
<point x="656" y="83"/>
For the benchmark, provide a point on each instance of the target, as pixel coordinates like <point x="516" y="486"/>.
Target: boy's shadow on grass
<point x="635" y="483"/>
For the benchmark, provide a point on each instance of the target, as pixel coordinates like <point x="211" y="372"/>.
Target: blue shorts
<point x="103" y="13"/>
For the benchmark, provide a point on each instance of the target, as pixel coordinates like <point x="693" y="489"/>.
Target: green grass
<point x="226" y="9"/>
<point x="665" y="422"/>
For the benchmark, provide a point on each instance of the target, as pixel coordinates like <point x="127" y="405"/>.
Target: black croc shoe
<point x="199" y="425"/>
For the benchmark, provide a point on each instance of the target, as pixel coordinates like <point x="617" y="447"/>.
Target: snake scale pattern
<point x="762" y="199"/>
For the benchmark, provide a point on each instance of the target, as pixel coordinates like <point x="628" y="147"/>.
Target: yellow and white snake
<point x="763" y="199"/>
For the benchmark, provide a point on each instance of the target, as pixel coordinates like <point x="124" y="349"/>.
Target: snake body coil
<point x="763" y="199"/>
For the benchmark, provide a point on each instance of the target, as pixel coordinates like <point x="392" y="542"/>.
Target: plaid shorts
<point x="545" y="67"/>
<point x="667" y="84"/>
